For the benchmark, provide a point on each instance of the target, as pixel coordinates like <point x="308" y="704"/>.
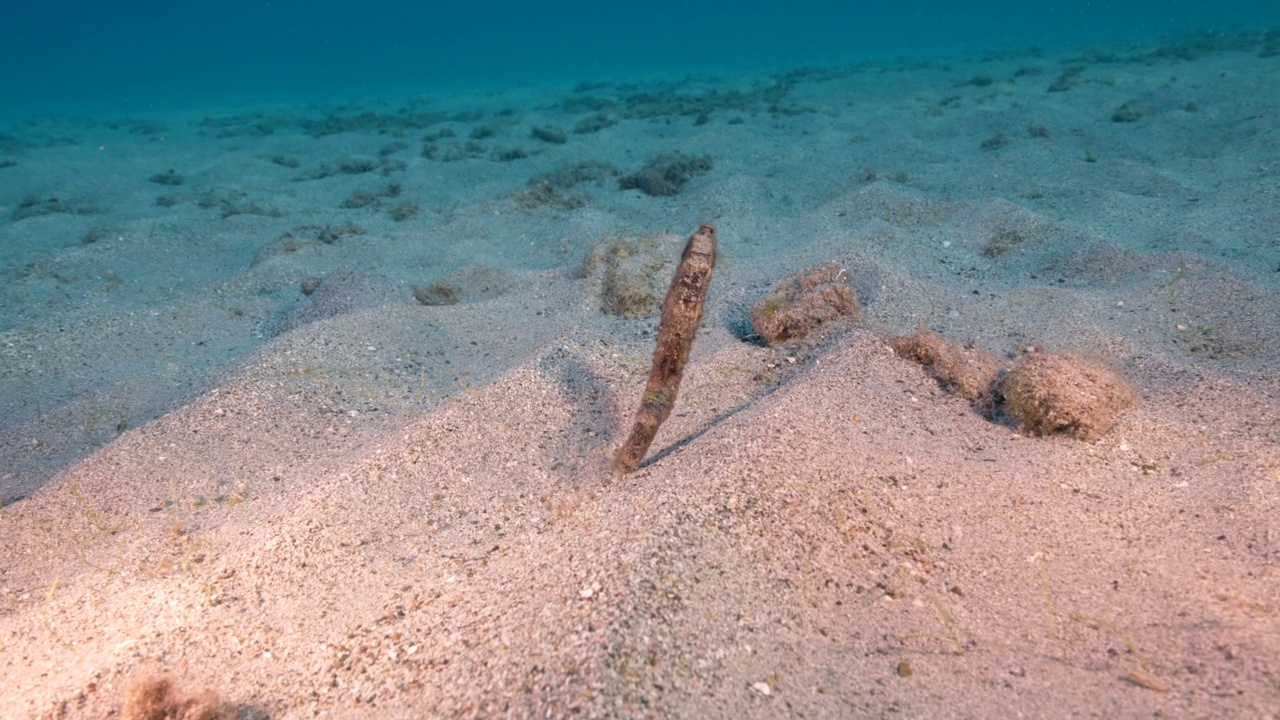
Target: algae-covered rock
<point x="802" y="303"/>
<point x="631" y="272"/>
<point x="1050" y="394"/>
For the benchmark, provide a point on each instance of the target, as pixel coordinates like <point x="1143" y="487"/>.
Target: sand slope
<point x="813" y="540"/>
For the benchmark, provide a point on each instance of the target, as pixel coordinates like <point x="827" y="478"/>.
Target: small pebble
<point x="905" y="669"/>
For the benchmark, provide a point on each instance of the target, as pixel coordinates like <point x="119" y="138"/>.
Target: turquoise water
<point x="144" y="56"/>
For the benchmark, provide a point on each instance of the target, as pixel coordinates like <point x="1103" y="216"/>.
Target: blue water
<point x="145" y="55"/>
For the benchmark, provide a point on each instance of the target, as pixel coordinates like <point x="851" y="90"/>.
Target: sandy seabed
<point x="389" y="496"/>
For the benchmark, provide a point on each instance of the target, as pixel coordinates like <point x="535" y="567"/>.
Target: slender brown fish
<point x="681" y="315"/>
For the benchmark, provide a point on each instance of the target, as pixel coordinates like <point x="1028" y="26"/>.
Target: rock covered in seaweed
<point x="802" y="303"/>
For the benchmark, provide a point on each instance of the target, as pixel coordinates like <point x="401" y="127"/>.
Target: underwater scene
<point x="676" y="360"/>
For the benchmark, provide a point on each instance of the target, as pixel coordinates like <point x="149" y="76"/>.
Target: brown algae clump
<point x="800" y="304"/>
<point x="967" y="372"/>
<point x="1050" y="394"/>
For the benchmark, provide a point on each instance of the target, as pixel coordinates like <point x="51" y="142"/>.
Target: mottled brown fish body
<point x="681" y="315"/>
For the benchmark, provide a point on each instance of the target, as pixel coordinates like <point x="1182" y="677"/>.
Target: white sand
<point x="349" y="504"/>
